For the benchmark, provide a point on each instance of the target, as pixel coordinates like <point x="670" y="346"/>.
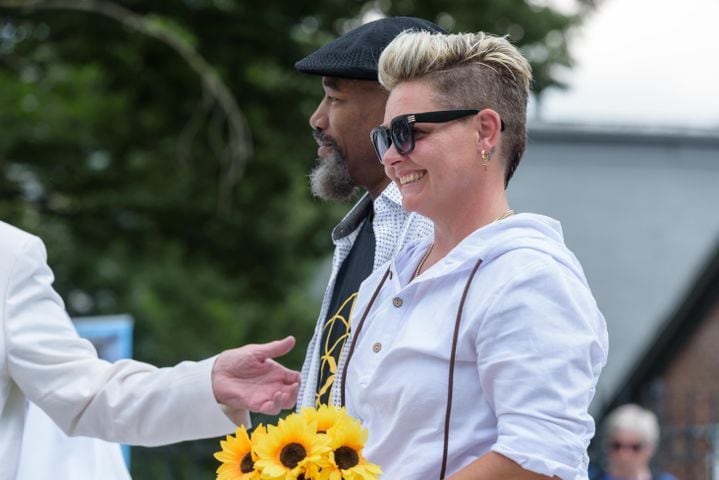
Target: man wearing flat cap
<point x="376" y="227"/>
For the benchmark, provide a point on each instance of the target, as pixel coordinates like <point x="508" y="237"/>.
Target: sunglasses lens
<point x="380" y="141"/>
<point x="402" y="136"/>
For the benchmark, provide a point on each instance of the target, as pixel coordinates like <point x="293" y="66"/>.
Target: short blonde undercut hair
<point x="467" y="70"/>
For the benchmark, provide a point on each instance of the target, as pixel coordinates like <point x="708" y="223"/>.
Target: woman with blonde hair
<point x="475" y="353"/>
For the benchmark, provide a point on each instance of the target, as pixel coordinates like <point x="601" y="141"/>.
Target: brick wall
<point x="690" y="403"/>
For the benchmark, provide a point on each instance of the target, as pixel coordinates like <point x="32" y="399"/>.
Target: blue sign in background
<point x="112" y="337"/>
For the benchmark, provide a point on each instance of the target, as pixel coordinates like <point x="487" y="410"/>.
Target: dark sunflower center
<point x="346" y="457"/>
<point x="292" y="454"/>
<point x="247" y="465"/>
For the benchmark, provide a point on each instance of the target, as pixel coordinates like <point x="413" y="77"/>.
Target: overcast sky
<point x="643" y="62"/>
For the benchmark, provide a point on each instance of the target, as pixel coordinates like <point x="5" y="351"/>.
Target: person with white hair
<point x="631" y="436"/>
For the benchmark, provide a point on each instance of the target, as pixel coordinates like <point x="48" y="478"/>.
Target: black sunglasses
<point x="401" y="134"/>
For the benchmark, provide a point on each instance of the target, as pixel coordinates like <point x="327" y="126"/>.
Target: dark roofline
<point x="618" y="134"/>
<point x="701" y="298"/>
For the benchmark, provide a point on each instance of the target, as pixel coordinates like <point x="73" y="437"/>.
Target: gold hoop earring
<point x="485" y="159"/>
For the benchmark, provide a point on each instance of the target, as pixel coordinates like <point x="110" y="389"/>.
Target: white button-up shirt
<point x="532" y="343"/>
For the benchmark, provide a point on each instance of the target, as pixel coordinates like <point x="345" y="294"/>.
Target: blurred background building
<point x="638" y="207"/>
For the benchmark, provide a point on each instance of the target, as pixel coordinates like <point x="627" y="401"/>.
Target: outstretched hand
<point x="248" y="378"/>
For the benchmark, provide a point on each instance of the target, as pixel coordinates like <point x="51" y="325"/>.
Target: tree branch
<point x="239" y="146"/>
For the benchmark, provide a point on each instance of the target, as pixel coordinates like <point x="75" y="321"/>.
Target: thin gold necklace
<point x="418" y="271"/>
<point x="506" y="214"/>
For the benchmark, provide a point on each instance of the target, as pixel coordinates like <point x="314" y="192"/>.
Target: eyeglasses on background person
<point x="635" y="447"/>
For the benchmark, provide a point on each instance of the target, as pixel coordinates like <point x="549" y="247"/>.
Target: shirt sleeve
<point x="540" y="350"/>
<point x="126" y="401"/>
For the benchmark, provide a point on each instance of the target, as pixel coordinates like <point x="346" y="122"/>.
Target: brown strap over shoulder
<point x="452" y="358"/>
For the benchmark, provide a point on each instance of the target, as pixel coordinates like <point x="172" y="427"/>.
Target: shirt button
<point x="397" y="302"/>
<point x="376" y="347"/>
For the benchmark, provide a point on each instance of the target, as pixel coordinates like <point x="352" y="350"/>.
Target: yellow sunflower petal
<point x="347" y="439"/>
<point x="328" y="416"/>
<point x="234" y="450"/>
<point x="348" y="431"/>
<point x="309" y="415"/>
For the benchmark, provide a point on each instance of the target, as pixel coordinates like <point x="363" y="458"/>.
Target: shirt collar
<point x="388" y="199"/>
<point x="392" y="194"/>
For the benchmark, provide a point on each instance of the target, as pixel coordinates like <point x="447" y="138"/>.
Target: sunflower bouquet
<point x="316" y="444"/>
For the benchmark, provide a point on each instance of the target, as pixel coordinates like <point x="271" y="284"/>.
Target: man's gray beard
<point x="331" y="181"/>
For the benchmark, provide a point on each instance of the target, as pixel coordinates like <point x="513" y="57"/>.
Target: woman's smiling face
<point x="443" y="168"/>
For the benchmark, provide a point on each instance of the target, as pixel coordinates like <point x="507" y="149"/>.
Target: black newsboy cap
<point x="356" y="53"/>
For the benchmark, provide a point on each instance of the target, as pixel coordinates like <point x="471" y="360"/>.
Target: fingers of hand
<point x="289" y="400"/>
<point x="276" y="348"/>
<point x="280" y="372"/>
<point x="292" y="377"/>
<point x="269" y="407"/>
<point x="274" y="405"/>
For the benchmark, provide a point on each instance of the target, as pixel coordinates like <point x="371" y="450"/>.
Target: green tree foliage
<point x="113" y="152"/>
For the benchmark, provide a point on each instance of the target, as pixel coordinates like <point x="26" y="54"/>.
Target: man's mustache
<point x="324" y="139"/>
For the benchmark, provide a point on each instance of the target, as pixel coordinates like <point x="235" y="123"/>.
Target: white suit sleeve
<point x="127" y="401"/>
